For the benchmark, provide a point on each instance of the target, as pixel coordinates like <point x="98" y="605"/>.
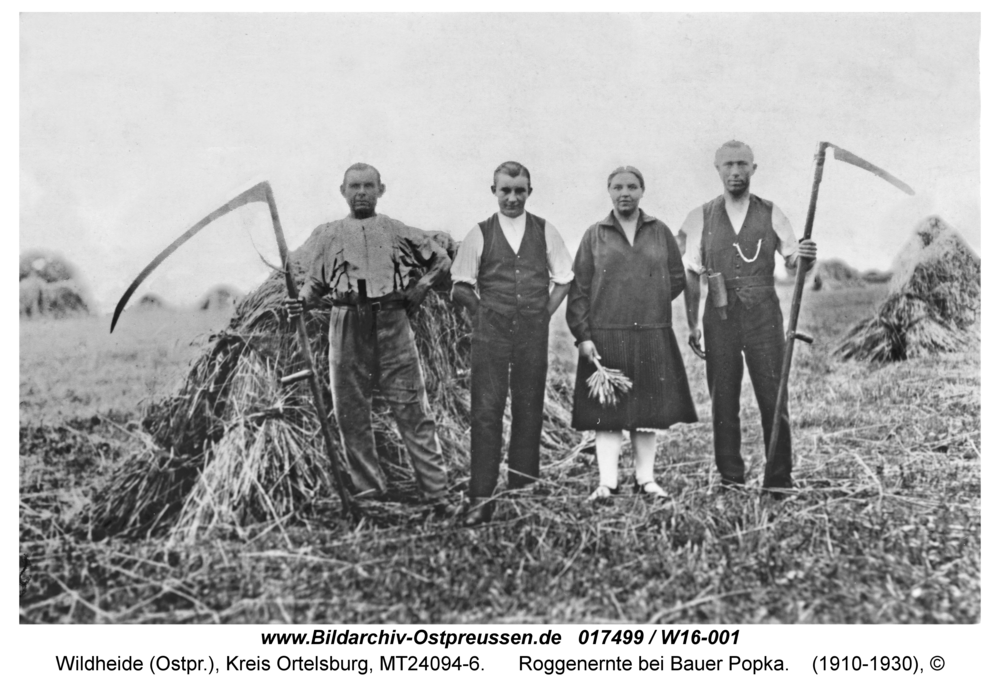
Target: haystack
<point x="232" y="446"/>
<point x="50" y="286"/>
<point x="151" y="302"/>
<point x="833" y="274"/>
<point x="933" y="304"/>
<point x="220" y="298"/>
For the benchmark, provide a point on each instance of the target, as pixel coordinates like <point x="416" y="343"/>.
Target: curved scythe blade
<point x="848" y="157"/>
<point x="258" y="192"/>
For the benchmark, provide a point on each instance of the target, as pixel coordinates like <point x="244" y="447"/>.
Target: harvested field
<point x="885" y="526"/>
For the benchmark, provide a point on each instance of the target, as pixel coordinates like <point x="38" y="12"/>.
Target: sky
<point x="133" y="127"/>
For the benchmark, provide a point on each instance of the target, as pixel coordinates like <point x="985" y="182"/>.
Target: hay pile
<point x="233" y="447"/>
<point x="933" y="304"/>
<point x="151" y="302"/>
<point x="836" y="274"/>
<point x="220" y="298"/>
<point x="50" y="287"/>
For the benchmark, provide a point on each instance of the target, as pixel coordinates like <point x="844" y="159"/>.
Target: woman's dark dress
<point x="620" y="299"/>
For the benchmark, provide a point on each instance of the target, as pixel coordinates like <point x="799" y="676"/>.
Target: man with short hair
<point x="733" y="239"/>
<point x="512" y="271"/>
<point x="364" y="261"/>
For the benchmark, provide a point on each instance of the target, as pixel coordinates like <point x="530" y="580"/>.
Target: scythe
<point x="800" y="276"/>
<point x="262" y="193"/>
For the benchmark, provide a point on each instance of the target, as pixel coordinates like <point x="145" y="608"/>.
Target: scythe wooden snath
<point x="262" y="193"/>
<point x="800" y="276"/>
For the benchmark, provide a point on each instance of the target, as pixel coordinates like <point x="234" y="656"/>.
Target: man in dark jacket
<point x="502" y="273"/>
<point x="735" y="238"/>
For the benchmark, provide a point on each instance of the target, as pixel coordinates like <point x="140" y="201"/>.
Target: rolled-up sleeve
<point x="465" y="267"/>
<point x="559" y="261"/>
<point x="788" y="245"/>
<point x="578" y="306"/>
<point x="692" y="229"/>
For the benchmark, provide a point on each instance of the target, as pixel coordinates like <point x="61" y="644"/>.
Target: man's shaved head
<point x="363" y="167"/>
<point x="732" y="144"/>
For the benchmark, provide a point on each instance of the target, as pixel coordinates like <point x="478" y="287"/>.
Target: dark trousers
<point x="757" y="334"/>
<point x="507" y="353"/>
<point x="383" y="353"/>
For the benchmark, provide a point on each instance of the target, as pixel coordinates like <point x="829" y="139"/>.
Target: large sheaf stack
<point x="50" y="287"/>
<point x="933" y="304"/>
<point x="233" y="446"/>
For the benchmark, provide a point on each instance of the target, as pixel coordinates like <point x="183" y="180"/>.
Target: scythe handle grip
<point x="315" y="386"/>
<point x="793" y="311"/>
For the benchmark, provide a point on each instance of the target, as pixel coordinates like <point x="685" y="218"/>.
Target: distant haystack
<point x="933" y="303"/>
<point x="220" y="298"/>
<point x="835" y="274"/>
<point x="151" y="302"/>
<point x="50" y="287"/>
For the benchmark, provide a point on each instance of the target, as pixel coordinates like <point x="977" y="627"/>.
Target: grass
<point x="885" y="525"/>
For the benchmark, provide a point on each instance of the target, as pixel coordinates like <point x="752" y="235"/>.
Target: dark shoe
<point x="779" y="489"/>
<point x="733" y="481"/>
<point x="443" y="508"/>
<point x="650" y="488"/>
<point x="603" y="492"/>
<point x="479" y="512"/>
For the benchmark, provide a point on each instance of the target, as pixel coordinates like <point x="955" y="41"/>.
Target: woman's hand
<point x="589" y="351"/>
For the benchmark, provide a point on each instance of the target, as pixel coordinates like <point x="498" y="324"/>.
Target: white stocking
<point x="644" y="449"/>
<point x="609" y="447"/>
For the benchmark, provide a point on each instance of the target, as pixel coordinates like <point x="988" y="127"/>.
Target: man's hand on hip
<point x="414" y="298"/>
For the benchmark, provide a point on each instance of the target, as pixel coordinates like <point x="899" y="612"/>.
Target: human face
<point x="625" y="191"/>
<point x="362" y="191"/>
<point x="736" y="167"/>
<point x="512" y="193"/>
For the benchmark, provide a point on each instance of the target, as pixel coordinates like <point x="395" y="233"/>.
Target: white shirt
<point x="465" y="267"/>
<point x="788" y="245"/>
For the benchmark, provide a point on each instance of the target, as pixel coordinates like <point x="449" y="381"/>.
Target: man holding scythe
<point x="363" y="260"/>
<point x="733" y="239"/>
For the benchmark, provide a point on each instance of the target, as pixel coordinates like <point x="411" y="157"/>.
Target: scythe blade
<point x="255" y="193"/>
<point x="848" y="157"/>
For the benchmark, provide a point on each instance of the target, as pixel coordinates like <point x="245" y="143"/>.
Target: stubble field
<point x="884" y="526"/>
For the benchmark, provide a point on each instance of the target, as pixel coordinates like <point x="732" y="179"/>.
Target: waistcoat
<point x="720" y="256"/>
<point x="512" y="283"/>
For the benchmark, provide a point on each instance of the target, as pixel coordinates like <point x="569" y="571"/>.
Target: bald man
<point x="364" y="260"/>
<point x="735" y="238"/>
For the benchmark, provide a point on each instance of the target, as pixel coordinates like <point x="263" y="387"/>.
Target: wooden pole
<point x="315" y="385"/>
<point x="793" y="314"/>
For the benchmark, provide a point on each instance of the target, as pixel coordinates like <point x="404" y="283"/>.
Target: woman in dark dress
<point x="627" y="271"/>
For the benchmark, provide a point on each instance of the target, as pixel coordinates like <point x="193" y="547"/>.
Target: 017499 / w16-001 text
<point x="600" y="637"/>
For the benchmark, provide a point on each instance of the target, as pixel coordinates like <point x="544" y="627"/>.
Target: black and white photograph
<point x="500" y="319"/>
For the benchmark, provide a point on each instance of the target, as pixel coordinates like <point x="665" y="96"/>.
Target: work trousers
<point x="383" y="354"/>
<point x="507" y="353"/>
<point x="757" y="334"/>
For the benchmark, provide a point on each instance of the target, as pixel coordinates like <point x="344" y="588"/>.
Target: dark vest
<point x="750" y="282"/>
<point x="512" y="283"/>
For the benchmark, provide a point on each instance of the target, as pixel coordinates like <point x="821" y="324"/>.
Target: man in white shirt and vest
<point x="512" y="271"/>
<point x="733" y="239"/>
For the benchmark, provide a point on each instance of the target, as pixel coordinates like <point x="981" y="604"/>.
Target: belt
<point x="375" y="305"/>
<point x="750" y="281"/>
